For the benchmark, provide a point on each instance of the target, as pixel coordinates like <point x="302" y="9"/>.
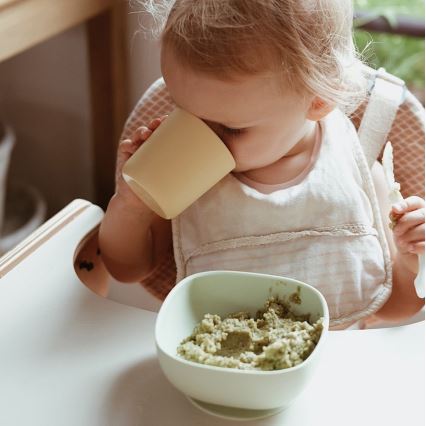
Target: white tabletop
<point x="69" y="357"/>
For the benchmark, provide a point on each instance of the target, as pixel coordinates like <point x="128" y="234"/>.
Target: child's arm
<point x="406" y="241"/>
<point x="132" y="238"/>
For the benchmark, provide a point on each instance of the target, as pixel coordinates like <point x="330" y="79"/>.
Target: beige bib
<point x="325" y="231"/>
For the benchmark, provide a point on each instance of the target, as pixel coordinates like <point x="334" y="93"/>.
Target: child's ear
<point x="319" y="109"/>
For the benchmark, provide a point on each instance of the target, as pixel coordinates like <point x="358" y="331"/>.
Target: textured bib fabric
<point x="325" y="231"/>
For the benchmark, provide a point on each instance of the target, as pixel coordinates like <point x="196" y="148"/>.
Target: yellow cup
<point x="180" y="161"/>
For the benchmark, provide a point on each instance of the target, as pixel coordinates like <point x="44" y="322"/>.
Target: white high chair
<point x="71" y="357"/>
<point x="390" y="112"/>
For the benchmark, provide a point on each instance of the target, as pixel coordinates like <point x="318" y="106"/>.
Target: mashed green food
<point x="275" y="339"/>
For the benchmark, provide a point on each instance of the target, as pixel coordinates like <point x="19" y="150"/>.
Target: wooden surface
<point x="108" y="70"/>
<point x="4" y="3"/>
<point x="25" y="23"/>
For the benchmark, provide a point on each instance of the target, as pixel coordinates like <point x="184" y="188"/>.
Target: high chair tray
<point x="69" y="357"/>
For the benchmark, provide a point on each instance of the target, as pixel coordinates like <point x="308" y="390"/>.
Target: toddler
<point x="275" y="79"/>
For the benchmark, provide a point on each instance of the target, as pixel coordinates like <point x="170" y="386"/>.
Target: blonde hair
<point x="309" y="43"/>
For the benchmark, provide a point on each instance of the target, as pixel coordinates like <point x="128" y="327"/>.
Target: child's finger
<point x="409" y="220"/>
<point x="415" y="234"/>
<point x="129" y="147"/>
<point x="412" y="236"/>
<point x="125" y="146"/>
<point x="137" y="133"/>
<point x="141" y="134"/>
<point x="408" y="204"/>
<point x="156" y="122"/>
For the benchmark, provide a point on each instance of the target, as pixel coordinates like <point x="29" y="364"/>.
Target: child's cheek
<point x="245" y="155"/>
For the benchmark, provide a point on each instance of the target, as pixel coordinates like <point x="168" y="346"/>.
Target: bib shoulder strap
<point x="387" y="92"/>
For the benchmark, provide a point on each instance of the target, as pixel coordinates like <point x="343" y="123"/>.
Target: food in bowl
<point x="222" y="292"/>
<point x="274" y="339"/>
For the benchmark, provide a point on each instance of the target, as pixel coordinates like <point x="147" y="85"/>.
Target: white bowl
<point x="224" y="292"/>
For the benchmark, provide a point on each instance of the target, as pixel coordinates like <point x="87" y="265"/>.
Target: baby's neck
<point x="290" y="165"/>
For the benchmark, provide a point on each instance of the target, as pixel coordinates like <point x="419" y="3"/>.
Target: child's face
<point x="269" y="122"/>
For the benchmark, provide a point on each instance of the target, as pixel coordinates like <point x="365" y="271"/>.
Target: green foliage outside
<point x="399" y="55"/>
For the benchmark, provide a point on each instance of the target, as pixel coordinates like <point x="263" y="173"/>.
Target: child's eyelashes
<point x="233" y="132"/>
<point x="224" y="131"/>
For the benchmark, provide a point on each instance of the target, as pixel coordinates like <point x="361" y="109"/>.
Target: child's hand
<point x="409" y="230"/>
<point x="126" y="149"/>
